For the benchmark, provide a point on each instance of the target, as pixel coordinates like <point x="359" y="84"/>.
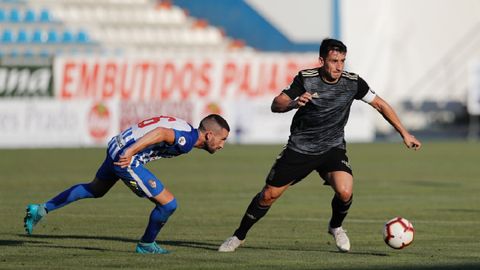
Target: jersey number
<point x="154" y="120"/>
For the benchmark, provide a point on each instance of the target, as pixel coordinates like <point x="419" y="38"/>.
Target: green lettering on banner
<point x="26" y="81"/>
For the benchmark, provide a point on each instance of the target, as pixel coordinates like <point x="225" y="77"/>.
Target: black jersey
<point x="319" y="125"/>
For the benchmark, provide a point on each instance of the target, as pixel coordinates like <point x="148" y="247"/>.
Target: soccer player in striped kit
<point x="323" y="97"/>
<point x="127" y="153"/>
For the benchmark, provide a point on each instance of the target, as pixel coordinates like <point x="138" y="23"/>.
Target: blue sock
<point x="77" y="192"/>
<point x="158" y="218"/>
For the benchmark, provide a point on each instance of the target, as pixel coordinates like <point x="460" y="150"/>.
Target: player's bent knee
<point x="268" y="197"/>
<point x="344" y="195"/>
<point x="99" y="188"/>
<point x="170" y="207"/>
<point x="96" y="191"/>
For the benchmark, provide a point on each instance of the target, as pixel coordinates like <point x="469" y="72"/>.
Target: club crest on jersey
<point x="152" y="183"/>
<point x="182" y="141"/>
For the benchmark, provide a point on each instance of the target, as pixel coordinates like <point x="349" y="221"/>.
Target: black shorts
<point x="293" y="166"/>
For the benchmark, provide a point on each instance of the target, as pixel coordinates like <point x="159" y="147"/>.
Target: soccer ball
<point x="398" y="233"/>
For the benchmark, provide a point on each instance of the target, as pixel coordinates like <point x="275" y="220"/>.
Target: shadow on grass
<point x="462" y="266"/>
<point x="18" y="242"/>
<point x="324" y="250"/>
<point x="210" y="245"/>
<point x="43" y="244"/>
<point x="190" y="244"/>
<point x="80" y="237"/>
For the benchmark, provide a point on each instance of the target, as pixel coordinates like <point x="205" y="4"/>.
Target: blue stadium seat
<point x="52" y="36"/>
<point x="2" y="15"/>
<point x="22" y="36"/>
<point x="44" y="53"/>
<point x="7" y="36"/>
<point x="37" y="36"/>
<point x="14" y="15"/>
<point x="82" y="37"/>
<point x="28" y="53"/>
<point x="29" y="16"/>
<point x="13" y="53"/>
<point x="45" y="16"/>
<point x="67" y="36"/>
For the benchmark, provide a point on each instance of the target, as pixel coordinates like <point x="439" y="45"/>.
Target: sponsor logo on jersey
<point x="182" y="141"/>
<point x="152" y="183"/>
<point x="119" y="140"/>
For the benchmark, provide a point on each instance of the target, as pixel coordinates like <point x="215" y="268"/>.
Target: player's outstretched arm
<point x="156" y="135"/>
<point x="389" y="114"/>
<point x="283" y="103"/>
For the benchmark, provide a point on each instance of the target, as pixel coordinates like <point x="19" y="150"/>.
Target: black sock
<point x="254" y="212"/>
<point x="339" y="211"/>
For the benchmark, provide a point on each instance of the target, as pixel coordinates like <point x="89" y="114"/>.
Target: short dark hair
<point x="207" y="122"/>
<point x="330" y="44"/>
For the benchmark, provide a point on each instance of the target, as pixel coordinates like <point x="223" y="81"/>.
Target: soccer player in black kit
<point x="323" y="97"/>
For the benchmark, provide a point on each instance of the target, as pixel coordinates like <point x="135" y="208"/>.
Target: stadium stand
<point x="49" y="27"/>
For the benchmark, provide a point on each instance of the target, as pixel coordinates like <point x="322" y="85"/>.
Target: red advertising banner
<point x="177" y="78"/>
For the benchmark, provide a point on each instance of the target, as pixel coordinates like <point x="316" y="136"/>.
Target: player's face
<point x="333" y="66"/>
<point x="216" y="140"/>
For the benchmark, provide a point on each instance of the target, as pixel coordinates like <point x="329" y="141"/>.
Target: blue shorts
<point x="139" y="179"/>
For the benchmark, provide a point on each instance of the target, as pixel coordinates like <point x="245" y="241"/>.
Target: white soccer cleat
<point x="230" y="244"/>
<point x="341" y="238"/>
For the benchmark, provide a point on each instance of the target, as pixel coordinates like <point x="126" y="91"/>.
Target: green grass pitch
<point x="437" y="189"/>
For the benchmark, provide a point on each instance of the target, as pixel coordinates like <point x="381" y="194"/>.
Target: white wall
<point x="299" y="20"/>
<point x="392" y="43"/>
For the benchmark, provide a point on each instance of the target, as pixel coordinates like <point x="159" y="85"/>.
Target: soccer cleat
<point x="230" y="244"/>
<point x="35" y="212"/>
<point x="341" y="238"/>
<point x="150" y="248"/>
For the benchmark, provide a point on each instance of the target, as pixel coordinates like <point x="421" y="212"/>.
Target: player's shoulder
<point x="311" y="72"/>
<point x="186" y="139"/>
<point x="177" y="123"/>
<point x="350" y="76"/>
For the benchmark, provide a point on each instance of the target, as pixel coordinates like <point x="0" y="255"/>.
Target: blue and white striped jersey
<point x="185" y="138"/>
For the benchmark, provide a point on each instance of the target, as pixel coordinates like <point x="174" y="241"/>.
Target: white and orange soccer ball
<point x="398" y="233"/>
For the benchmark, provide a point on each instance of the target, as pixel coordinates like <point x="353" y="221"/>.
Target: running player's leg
<point x="342" y="184"/>
<point x="339" y="176"/>
<point x="289" y="168"/>
<point x="95" y="189"/>
<point x="257" y="208"/>
<point x="165" y="205"/>
<point x="145" y="184"/>
<point x="102" y="183"/>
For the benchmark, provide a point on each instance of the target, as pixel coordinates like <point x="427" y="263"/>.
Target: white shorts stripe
<point x="139" y="182"/>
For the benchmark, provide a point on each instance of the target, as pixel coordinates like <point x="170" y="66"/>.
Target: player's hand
<point x="303" y="99"/>
<point x="124" y="160"/>
<point x="412" y="142"/>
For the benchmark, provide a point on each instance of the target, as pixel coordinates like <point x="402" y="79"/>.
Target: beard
<point x="208" y="149"/>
